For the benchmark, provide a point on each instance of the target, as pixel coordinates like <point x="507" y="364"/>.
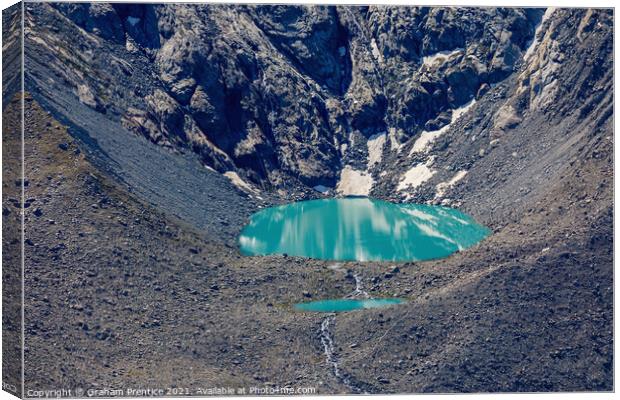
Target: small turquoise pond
<point x="360" y="229"/>
<point x="341" y="305"/>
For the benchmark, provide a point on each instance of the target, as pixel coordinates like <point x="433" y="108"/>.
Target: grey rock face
<point x="564" y="82"/>
<point x="443" y="56"/>
<point x="313" y="38"/>
<point x="98" y="18"/>
<point x="11" y="53"/>
<point x="273" y="92"/>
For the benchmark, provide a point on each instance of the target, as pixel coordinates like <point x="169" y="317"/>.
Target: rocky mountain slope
<point x="165" y="126"/>
<point x="11" y="193"/>
<point x="276" y="93"/>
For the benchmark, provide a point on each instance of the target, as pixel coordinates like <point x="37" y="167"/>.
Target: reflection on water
<point x="360" y="229"/>
<point x="341" y="305"/>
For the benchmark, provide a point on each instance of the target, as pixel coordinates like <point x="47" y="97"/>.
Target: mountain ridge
<point x="259" y="99"/>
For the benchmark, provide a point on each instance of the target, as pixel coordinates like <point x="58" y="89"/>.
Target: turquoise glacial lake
<point x="342" y="305"/>
<point x="360" y="229"/>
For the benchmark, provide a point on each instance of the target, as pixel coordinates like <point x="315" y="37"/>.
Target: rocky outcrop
<point x="445" y="56"/>
<point x="531" y="122"/>
<point x="312" y="38"/>
<point x="274" y="92"/>
<point x="100" y="19"/>
<point x="11" y="52"/>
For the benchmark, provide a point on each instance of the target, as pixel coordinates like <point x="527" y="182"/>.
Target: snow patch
<point x="442" y="187"/>
<point x="240" y="183"/>
<point x="394" y="144"/>
<point x="456" y="113"/>
<point x="353" y="182"/>
<point x="375" y="145"/>
<point x="374" y="49"/>
<point x="133" y="20"/>
<point x="417" y="175"/>
<point x="439" y="57"/>
<point x="426" y="138"/>
<point x="359" y="183"/>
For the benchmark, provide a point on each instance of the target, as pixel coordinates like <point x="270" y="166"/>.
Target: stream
<point x="330" y="354"/>
<point x="358" y="291"/>
<point x="328" y="341"/>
